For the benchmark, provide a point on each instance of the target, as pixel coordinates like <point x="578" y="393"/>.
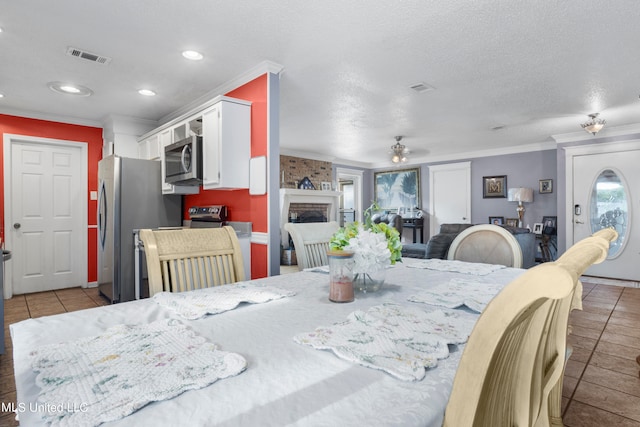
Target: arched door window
<point x="609" y="208"/>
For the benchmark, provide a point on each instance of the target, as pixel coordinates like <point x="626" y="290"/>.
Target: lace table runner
<point x="473" y="268"/>
<point x="397" y="339"/>
<point x="459" y="292"/>
<point x="109" y="376"/>
<point x="196" y="304"/>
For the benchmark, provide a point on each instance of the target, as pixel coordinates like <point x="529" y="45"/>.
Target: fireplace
<point x="306" y="206"/>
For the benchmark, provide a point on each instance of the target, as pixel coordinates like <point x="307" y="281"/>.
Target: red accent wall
<point x="241" y="205"/>
<point x="92" y="136"/>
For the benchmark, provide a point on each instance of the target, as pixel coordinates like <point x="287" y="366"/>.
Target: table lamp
<point x="520" y="195"/>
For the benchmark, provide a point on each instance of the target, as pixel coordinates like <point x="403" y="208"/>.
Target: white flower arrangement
<point x="375" y="246"/>
<point x="371" y="251"/>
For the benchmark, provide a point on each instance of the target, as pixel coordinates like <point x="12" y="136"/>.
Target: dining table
<point x="273" y="351"/>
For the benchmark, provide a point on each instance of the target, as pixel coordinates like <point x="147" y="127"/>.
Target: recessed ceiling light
<point x="192" y="55"/>
<point x="146" y="92"/>
<point x="1" y="95"/>
<point x="70" y="89"/>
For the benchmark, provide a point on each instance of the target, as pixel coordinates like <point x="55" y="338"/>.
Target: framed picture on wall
<point x="537" y="228"/>
<point x="397" y="189"/>
<point x="496" y="220"/>
<point x="494" y="186"/>
<point x="546" y="186"/>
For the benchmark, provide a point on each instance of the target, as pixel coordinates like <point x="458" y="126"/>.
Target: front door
<point x="46" y="216"/>
<point x="605" y="194"/>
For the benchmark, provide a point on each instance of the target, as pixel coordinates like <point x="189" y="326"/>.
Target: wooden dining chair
<point x="311" y="241"/>
<point x="185" y="259"/>
<point x="511" y="368"/>
<point x="488" y="244"/>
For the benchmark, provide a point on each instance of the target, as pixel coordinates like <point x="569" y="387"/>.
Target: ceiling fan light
<point x="399" y="151"/>
<point x="594" y="125"/>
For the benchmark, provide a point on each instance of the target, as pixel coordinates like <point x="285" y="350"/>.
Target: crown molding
<point x="50" y="117"/>
<point x="606" y="132"/>
<point x="253" y="73"/>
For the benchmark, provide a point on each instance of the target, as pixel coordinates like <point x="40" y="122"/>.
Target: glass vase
<point x="369" y="282"/>
<point x="340" y="276"/>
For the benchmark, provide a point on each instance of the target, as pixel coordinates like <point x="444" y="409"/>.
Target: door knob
<point x="16" y="225"/>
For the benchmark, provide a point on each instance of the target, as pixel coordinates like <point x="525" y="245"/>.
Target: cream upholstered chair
<point x="510" y="373"/>
<point x="185" y="259"/>
<point x="488" y="244"/>
<point x="311" y="240"/>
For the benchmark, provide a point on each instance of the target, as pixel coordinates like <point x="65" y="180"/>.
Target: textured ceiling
<point x="534" y="69"/>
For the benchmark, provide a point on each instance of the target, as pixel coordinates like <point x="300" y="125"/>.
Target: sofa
<point x="392" y="219"/>
<point x="438" y="245"/>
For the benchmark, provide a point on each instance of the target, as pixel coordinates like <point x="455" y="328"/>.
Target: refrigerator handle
<point x="102" y="215"/>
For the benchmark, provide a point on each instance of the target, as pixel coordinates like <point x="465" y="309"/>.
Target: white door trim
<point x="9" y="140"/>
<point x="581" y="150"/>
<point x="356" y="176"/>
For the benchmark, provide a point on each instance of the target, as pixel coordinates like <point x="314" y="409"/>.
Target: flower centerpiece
<point x="375" y="247"/>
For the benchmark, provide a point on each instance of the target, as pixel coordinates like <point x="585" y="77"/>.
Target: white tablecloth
<point x="285" y="383"/>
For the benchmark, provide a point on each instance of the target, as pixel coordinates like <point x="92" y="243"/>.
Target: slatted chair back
<point x="511" y="369"/>
<point x="180" y="260"/>
<point x="311" y="241"/>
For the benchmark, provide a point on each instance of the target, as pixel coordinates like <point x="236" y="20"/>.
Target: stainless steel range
<point x="207" y="216"/>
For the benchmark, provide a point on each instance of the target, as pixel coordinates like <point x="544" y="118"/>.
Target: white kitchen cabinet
<point x="225" y="126"/>
<point x="226" y="150"/>
<point x="149" y="149"/>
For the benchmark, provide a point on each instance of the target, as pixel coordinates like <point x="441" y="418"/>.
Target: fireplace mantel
<point x="293" y="195"/>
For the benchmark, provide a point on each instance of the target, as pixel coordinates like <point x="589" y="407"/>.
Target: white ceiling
<point x="534" y="68"/>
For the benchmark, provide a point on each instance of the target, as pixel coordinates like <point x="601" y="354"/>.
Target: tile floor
<point x="601" y="383"/>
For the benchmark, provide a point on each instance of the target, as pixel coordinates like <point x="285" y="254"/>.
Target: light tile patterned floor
<point x="601" y="383"/>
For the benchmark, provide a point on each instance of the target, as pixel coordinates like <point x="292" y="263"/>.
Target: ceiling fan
<point x="399" y="151"/>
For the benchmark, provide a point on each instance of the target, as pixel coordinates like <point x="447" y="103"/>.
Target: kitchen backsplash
<point x="295" y="169"/>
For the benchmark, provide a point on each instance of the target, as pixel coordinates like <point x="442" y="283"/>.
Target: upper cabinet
<point x="225" y="126"/>
<point x="226" y="150"/>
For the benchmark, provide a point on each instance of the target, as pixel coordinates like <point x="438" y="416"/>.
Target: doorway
<point x="45" y="208"/>
<point x="603" y="181"/>
<point x="350" y="184"/>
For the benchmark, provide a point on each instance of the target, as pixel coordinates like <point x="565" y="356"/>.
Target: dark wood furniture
<point x="417" y="225"/>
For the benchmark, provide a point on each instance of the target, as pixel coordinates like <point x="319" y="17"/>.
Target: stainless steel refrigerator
<point x="129" y="198"/>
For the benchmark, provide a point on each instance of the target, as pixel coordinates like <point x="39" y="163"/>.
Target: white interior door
<point x="449" y="195"/>
<point x="47" y="216"/>
<point x="606" y="189"/>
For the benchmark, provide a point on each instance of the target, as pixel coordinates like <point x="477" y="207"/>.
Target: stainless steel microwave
<point x="183" y="162"/>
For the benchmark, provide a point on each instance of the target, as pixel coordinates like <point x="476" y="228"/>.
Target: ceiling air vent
<point x="83" y="54"/>
<point x="421" y="87"/>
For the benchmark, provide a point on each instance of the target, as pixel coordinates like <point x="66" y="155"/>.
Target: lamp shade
<point x="521" y="194"/>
